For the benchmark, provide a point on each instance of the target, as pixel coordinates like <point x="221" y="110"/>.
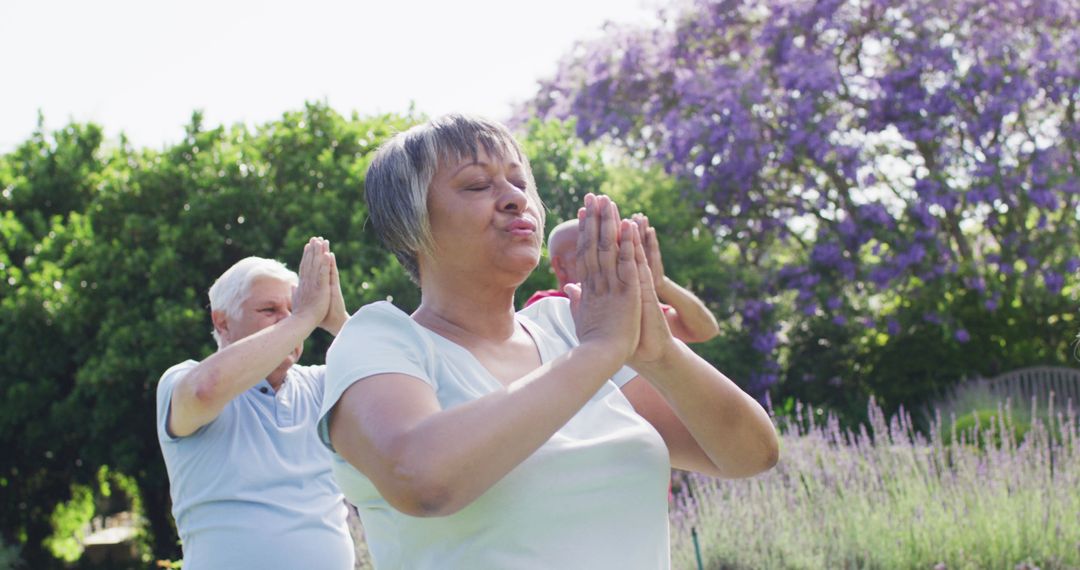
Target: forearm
<point x="454" y="456"/>
<point x="731" y="428"/>
<point x="334" y="322"/>
<point x="693" y="321"/>
<point x="207" y="388"/>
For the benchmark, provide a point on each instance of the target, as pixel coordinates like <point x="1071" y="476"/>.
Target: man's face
<point x="268" y="301"/>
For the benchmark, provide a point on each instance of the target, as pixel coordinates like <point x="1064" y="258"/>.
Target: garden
<point x="877" y="200"/>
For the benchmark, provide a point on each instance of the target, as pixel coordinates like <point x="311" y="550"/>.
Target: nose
<point x="512" y="198"/>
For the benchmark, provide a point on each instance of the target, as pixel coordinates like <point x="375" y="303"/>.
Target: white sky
<point x="143" y="66"/>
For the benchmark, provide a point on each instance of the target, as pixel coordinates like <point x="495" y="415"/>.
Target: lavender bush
<point x="885" y="497"/>
<point x="904" y="173"/>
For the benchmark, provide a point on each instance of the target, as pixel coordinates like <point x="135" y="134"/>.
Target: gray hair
<point x="397" y="181"/>
<point x="232" y="288"/>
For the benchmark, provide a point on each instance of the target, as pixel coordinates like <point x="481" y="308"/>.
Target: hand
<point x="336" y="314"/>
<point x="655" y="338"/>
<point x="652" y="250"/>
<point x="311" y="298"/>
<point x="607" y="303"/>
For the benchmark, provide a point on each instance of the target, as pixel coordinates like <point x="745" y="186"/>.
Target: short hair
<point x="398" y="178"/>
<point x="231" y="289"/>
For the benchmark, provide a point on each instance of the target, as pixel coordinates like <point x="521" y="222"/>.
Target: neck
<point x="277" y="378"/>
<point x="464" y="310"/>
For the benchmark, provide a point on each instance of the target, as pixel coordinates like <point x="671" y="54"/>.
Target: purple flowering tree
<point x="905" y="173"/>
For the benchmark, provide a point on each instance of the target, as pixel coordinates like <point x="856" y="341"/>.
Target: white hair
<point x="232" y="288"/>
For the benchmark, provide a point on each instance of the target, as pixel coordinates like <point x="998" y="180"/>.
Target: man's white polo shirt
<point x="253" y="488"/>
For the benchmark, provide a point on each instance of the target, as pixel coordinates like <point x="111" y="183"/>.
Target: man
<point x="250" y="481"/>
<point x="690" y="320"/>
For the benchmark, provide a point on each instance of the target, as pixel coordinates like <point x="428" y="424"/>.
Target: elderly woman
<point x="471" y="436"/>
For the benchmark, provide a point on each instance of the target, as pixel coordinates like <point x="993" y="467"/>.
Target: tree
<point x="104" y="290"/>
<point x="900" y="173"/>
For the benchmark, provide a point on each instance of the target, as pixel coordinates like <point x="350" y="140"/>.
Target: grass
<point x="886" y="497"/>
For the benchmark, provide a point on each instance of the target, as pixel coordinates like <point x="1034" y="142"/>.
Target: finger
<point x="573" y="292"/>
<point x="324" y="269"/>
<point x="607" y="250"/>
<point x="652" y="248"/>
<point x="588" y="230"/>
<point x="334" y="279"/>
<point x="641" y="224"/>
<point x="305" y="261"/>
<point x="645" y="278"/>
<point x="627" y="266"/>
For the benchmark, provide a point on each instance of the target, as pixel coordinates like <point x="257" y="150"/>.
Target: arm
<point x="690" y="320"/>
<point x="707" y="422"/>
<point x="426" y="461"/>
<point x="336" y="315"/>
<point x="688" y="317"/>
<point x="200" y="396"/>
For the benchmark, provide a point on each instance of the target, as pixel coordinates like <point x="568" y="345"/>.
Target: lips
<point x="522" y="226"/>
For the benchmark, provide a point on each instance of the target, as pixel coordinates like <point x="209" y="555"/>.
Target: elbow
<point x="205" y="389"/>
<point x="753" y="462"/>
<point x="701" y="333"/>
<point x="422" y="493"/>
<point x="709" y="333"/>
<point x="767" y="456"/>
<point x="771" y="453"/>
<point x="711" y="329"/>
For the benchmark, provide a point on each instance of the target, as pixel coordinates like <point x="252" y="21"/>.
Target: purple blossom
<point x="1054" y="281"/>
<point x="1072" y="265"/>
<point x="962" y="336"/>
<point x="769" y="112"/>
<point x="893" y="327"/>
<point x="765" y="342"/>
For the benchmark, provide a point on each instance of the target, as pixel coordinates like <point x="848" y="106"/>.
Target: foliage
<point x="985" y="427"/>
<point x="103" y="288"/>
<point x="566" y="169"/>
<point x="903" y="175"/>
<point x="106" y="256"/>
<point x="9" y="556"/>
<point x="882" y="496"/>
<point x="68" y="519"/>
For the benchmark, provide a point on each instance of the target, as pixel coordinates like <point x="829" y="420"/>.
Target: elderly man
<point x="250" y="480"/>
<point x="689" y="319"/>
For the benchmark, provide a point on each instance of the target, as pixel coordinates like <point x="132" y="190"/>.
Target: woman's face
<point x="483" y="221"/>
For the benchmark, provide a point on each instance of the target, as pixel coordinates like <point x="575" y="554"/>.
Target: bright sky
<point x="143" y="66"/>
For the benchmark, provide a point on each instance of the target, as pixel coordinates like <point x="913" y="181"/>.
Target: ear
<point x="221" y="323"/>
<point x="559" y="267"/>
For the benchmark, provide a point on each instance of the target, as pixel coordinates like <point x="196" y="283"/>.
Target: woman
<point x="472" y="437"/>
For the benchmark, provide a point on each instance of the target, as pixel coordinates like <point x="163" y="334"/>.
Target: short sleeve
<point x="378" y="339"/>
<point x="165" y="388"/>
<point x="554" y="313"/>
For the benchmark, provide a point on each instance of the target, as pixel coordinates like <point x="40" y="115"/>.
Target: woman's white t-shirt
<point x="593" y="496"/>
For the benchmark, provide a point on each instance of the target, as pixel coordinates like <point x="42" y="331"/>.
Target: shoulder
<point x="552" y="314"/>
<point x="375" y="322"/>
<point x="175" y="373"/>
<point x="379" y="338"/>
<point x="381" y="314"/>
<point x="314" y="373"/>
